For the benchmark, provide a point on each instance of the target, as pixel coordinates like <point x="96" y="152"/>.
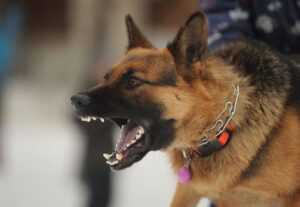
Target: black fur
<point x="267" y="69"/>
<point x="108" y="102"/>
<point x="168" y="78"/>
<point x="274" y="76"/>
<point x="190" y="43"/>
<point x="135" y="37"/>
<point x="294" y="98"/>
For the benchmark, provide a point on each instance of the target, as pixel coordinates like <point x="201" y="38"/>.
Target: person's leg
<point x="1" y="121"/>
<point x="96" y="173"/>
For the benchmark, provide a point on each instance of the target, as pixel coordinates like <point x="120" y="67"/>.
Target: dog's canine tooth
<point x="119" y="156"/>
<point x="142" y="130"/>
<point x="101" y="119"/>
<point x="94" y="118"/>
<point x="138" y="136"/>
<point x="107" y="156"/>
<point x="133" y="141"/>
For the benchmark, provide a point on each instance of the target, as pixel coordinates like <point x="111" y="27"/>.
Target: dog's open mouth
<point x="133" y="145"/>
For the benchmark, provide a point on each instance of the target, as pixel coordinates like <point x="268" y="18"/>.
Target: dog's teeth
<point x="112" y="162"/>
<point x="107" y="156"/>
<point x="101" y="119"/>
<point x="85" y="119"/>
<point x="128" y="145"/>
<point x="119" y="156"/>
<point x="94" y="118"/>
<point x="133" y="141"/>
<point x="138" y="136"/>
<point x="142" y="131"/>
<point x="115" y="162"/>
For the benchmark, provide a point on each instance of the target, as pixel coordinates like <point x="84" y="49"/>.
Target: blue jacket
<point x="276" y="22"/>
<point x="9" y="33"/>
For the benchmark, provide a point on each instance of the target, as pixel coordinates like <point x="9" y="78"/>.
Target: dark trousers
<point x="1" y="121"/>
<point x="95" y="172"/>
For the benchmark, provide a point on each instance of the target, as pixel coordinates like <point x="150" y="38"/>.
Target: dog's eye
<point x="133" y="82"/>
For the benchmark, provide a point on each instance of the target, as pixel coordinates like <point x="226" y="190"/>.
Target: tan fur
<point x="218" y="176"/>
<point x="221" y="182"/>
<point x="266" y="135"/>
<point x="195" y="105"/>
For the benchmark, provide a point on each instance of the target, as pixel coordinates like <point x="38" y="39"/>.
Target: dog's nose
<point x="81" y="99"/>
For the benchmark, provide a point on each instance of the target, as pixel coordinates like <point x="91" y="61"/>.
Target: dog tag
<point x="184" y="175"/>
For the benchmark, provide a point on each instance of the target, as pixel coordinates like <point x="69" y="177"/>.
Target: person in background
<point x="11" y="19"/>
<point x="275" y="22"/>
<point x="95" y="173"/>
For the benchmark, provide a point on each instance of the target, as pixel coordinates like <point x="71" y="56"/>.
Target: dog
<point x="228" y="118"/>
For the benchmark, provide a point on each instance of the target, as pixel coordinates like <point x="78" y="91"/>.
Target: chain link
<point x="219" y="124"/>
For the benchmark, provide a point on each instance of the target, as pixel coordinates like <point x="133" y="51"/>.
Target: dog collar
<point x="216" y="144"/>
<point x="223" y="128"/>
<point x="208" y="146"/>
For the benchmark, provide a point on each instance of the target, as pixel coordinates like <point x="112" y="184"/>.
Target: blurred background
<point x="49" y="50"/>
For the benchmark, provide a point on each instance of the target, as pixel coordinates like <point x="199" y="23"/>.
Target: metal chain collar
<point x="219" y="124"/>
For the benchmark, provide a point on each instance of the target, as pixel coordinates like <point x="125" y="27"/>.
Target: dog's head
<point x="150" y="93"/>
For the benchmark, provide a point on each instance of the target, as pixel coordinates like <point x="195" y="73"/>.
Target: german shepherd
<point x="228" y="118"/>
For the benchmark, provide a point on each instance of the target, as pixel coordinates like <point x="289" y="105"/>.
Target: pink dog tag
<point x="184" y="175"/>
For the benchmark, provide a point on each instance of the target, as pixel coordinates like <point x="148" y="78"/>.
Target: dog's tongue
<point x="128" y="133"/>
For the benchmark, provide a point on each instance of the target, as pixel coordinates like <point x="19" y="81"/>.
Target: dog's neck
<point x="218" y="134"/>
<point x="211" y="142"/>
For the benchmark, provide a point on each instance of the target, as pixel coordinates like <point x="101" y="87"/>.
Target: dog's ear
<point x="190" y="42"/>
<point x="135" y="37"/>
